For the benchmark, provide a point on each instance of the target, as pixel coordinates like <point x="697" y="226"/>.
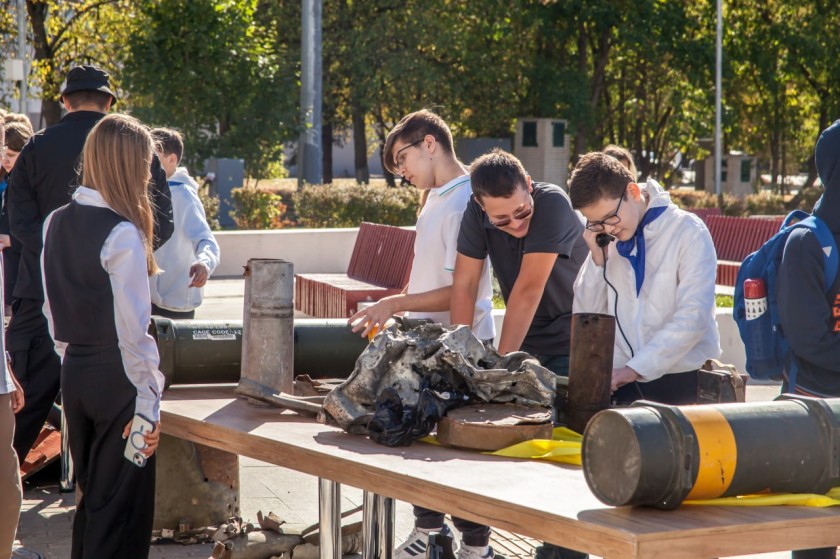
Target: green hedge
<point x="754" y="204"/>
<point x="347" y="206"/>
<point x="257" y="209"/>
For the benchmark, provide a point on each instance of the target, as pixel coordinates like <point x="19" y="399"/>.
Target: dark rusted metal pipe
<point x="590" y="367"/>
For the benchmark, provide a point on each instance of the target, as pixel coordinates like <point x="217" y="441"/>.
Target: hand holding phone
<point x="135" y="442"/>
<point x="603" y="239"/>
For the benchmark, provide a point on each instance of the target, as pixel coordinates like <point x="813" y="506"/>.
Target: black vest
<point x="79" y="289"/>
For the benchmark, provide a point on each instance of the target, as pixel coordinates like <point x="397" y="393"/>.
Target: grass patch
<point x="724" y="301"/>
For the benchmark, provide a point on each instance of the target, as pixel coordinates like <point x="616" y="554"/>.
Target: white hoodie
<point x="671" y="323"/>
<point x="191" y="242"/>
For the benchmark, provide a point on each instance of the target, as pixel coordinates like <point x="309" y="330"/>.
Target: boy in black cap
<point x="44" y="180"/>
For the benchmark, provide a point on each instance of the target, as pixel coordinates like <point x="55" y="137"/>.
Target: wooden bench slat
<point x="379" y="266"/>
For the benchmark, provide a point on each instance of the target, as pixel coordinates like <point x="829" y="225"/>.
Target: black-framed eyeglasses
<point x="612" y="219"/>
<point x="399" y="157"/>
<point x="518" y="216"/>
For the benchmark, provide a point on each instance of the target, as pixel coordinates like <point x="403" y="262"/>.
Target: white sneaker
<point x="414" y="547"/>
<point x="474" y="552"/>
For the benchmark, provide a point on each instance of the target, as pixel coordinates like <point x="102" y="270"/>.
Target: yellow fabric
<point x="564" y="447"/>
<point x="830" y="499"/>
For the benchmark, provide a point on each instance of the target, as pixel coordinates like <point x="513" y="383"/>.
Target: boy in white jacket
<point x="191" y="255"/>
<point x="657" y="279"/>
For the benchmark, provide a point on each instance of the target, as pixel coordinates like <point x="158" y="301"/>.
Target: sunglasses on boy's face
<point x="518" y="215"/>
<point x="612" y="219"/>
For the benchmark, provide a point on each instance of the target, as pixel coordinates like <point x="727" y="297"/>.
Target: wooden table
<point x="534" y="498"/>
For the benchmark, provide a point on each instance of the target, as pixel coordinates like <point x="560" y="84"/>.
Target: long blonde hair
<point x="116" y="162"/>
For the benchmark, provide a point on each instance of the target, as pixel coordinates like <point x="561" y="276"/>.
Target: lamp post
<point x="310" y="159"/>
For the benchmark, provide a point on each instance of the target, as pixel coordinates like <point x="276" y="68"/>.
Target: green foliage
<point x="640" y="74"/>
<point x="347" y="206"/>
<point x="211" y="207"/>
<point x="724" y="301"/>
<point x="763" y="203"/>
<point x="218" y="71"/>
<point x="257" y="209"/>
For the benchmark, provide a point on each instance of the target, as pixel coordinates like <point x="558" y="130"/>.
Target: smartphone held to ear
<point x="136" y="443"/>
<point x="603" y="239"/>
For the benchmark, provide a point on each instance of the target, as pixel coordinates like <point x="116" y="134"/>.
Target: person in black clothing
<point x="44" y="179"/>
<point x="98" y="303"/>
<point x="17" y="134"/>
<point x="809" y="311"/>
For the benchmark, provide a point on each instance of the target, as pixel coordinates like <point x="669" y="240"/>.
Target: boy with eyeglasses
<point x="657" y="279"/>
<point x="420" y="149"/>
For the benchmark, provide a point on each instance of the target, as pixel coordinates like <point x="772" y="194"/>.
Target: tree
<point x="221" y="71"/>
<point x="65" y="34"/>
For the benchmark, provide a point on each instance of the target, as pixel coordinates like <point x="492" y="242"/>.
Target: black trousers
<point x="37" y="367"/>
<point x="115" y="514"/>
<point x="675" y="389"/>
<point x="472" y="533"/>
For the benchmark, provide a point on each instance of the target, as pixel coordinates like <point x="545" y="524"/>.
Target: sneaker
<point x="414" y="547"/>
<point x="472" y="552"/>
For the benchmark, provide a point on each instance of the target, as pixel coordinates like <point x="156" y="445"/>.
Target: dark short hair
<point x="624" y="157"/>
<point x="98" y="99"/>
<point x="598" y="176"/>
<point x="17" y="134"/>
<point x="169" y="141"/>
<point x="497" y="174"/>
<point x="413" y="128"/>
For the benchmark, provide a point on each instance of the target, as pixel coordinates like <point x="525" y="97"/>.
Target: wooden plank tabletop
<point x="543" y="500"/>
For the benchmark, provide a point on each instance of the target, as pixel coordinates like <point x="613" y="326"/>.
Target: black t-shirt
<point x="554" y="228"/>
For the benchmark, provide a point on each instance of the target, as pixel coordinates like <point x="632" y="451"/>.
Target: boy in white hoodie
<point x="191" y="255"/>
<point x="657" y="279"/>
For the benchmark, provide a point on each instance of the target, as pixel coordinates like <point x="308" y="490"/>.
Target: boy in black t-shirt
<point x="533" y="238"/>
<point x="535" y="243"/>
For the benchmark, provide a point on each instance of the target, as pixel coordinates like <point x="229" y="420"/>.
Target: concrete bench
<point x="735" y="238"/>
<point x="380" y="266"/>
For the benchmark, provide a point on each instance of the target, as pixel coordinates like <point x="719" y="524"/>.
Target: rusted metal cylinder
<point x="268" y="329"/>
<point x="590" y="367"/>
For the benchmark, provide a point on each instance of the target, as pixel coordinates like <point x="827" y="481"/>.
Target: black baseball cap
<point x="90" y="78"/>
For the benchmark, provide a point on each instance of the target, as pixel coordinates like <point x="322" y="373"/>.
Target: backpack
<point x="766" y="347"/>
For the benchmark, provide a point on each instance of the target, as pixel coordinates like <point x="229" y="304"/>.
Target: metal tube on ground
<point x="590" y="367"/>
<point x="210" y="351"/>
<point x="268" y="355"/>
<point x="659" y="455"/>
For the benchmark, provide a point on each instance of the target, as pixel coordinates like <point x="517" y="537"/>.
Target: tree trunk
<point x="327" y="151"/>
<point x="50" y="106"/>
<point x="360" y="146"/>
<point x="581" y="130"/>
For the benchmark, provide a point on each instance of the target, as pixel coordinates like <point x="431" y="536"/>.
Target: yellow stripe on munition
<point x="718" y="452"/>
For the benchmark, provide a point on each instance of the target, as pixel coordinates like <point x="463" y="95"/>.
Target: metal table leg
<point x="386" y="512"/>
<point x="329" y="512"/>
<point x="378" y="526"/>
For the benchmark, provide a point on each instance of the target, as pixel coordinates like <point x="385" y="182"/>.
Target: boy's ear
<point x="431" y="142"/>
<point x="634" y="190"/>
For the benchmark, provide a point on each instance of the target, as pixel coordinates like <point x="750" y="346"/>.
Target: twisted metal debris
<point x="436" y="357"/>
